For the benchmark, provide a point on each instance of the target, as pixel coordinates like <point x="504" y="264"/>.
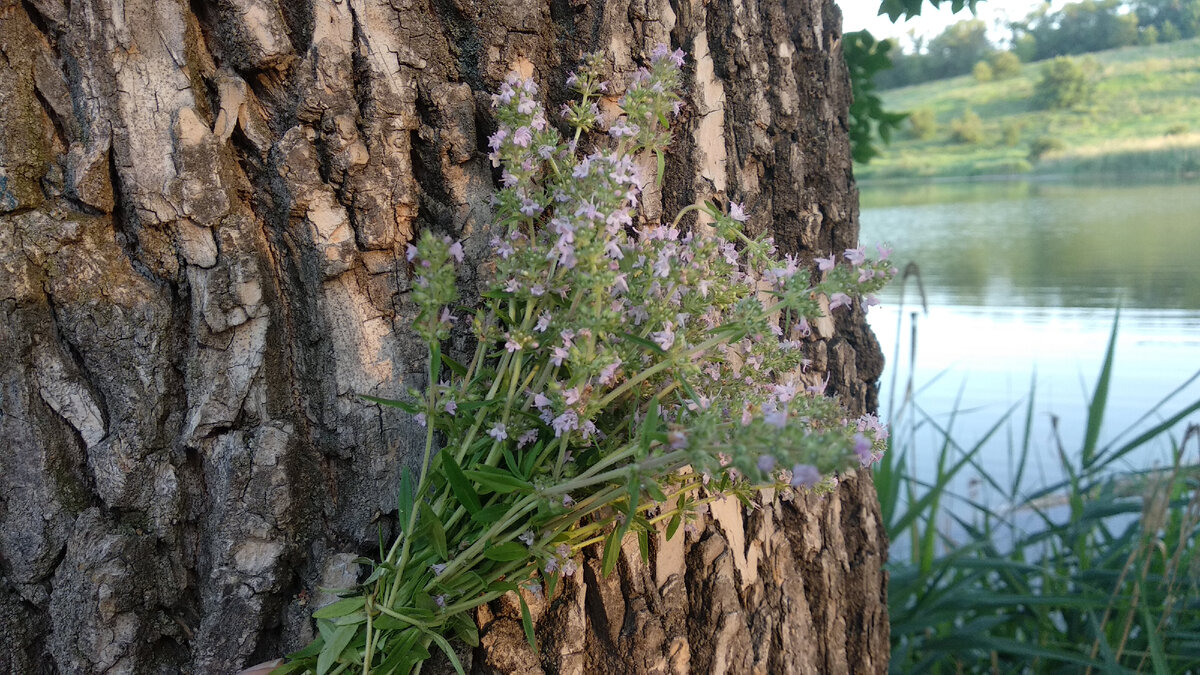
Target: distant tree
<point x="1065" y="83"/>
<point x="1183" y="15"/>
<point x="1148" y="36"/>
<point x="967" y="129"/>
<point x="982" y="72"/>
<point x="1005" y="65"/>
<point x="1170" y="32"/>
<point x="1081" y="27"/>
<point x="1010" y="133"/>
<point x="956" y="48"/>
<point x="922" y="123"/>
<point x="1024" y="45"/>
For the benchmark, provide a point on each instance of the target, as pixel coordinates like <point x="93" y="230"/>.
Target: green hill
<point x="1143" y="119"/>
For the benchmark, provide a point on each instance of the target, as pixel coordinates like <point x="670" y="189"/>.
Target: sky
<point x="861" y="14"/>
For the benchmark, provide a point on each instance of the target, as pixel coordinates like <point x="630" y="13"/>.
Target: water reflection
<point x="1022" y="280"/>
<point x="1050" y="245"/>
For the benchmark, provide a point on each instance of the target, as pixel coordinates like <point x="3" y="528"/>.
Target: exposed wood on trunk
<point x="203" y="209"/>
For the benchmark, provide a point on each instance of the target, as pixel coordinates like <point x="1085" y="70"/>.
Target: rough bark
<point x="203" y="209"/>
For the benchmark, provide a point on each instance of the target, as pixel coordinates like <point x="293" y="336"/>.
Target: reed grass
<point x="1095" y="573"/>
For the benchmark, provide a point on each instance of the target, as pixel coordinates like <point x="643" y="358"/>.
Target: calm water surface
<point x="1022" y="280"/>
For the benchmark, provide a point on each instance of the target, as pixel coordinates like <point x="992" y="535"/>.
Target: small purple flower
<point x="862" y="448"/>
<point x="522" y="137"/>
<point x="766" y="463"/>
<point x="805" y="476"/>
<point x="665" y="338"/>
<point x="497" y="138"/>
<point x="839" y="300"/>
<point x="609" y="372"/>
<point x="558" y="355"/>
<point x="411" y="252"/>
<point x="551" y="565"/>
<point x="530" y="207"/>
<point x="543" y="322"/>
<point x="503" y="248"/>
<point x="568" y="568"/>
<point x="567" y="502"/>
<point x="856" y="256"/>
<point x="527" y="538"/>
<point x="451" y="407"/>
<point x="776" y="418"/>
<point x="498" y="431"/>
<point x="527" y="438"/>
<point x="737" y="212"/>
<point x="677" y="58"/>
<point x="803" y="328"/>
<point x="825" y="264"/>
<point x="456" y="251"/>
<point x="884" y="252"/>
<point x="420" y="418"/>
<point x="438" y="568"/>
<point x="511" y="344"/>
<point x="565" y="422"/>
<point x="440" y="599"/>
<point x="540" y="400"/>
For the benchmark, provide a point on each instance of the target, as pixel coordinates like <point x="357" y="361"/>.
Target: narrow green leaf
<point x="459" y="484"/>
<point x="662" y="166"/>
<point x="437" y="533"/>
<point x="672" y="526"/>
<point x="490" y="514"/>
<point x="448" y="651"/>
<point x="653" y="489"/>
<point x="404" y="502"/>
<point x="1158" y="656"/>
<point x="333" y="649"/>
<point x="506" y="552"/>
<point x="340" y="608"/>
<point x="1099" y="398"/>
<point x="465" y="629"/>
<point x="612" y="547"/>
<point x="498" y="481"/>
<point x="454" y="366"/>
<point x="527" y="623"/>
<point x="644" y="544"/>
<point x="406" y="407"/>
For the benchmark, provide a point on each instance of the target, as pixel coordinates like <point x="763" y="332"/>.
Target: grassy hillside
<point x="1144" y="118"/>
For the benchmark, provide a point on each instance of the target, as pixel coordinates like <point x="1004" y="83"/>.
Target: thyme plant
<point x="626" y="372"/>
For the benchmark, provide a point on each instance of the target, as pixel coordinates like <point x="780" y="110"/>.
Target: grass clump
<point x="1098" y="573"/>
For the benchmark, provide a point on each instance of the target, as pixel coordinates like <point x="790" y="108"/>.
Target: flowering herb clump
<point x="626" y="373"/>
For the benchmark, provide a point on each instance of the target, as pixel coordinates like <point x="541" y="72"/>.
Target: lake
<point x="1022" y="280"/>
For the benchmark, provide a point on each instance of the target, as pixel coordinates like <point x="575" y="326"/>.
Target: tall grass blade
<point x="1099" y="398"/>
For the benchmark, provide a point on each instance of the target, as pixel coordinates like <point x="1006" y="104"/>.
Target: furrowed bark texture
<point x="203" y="209"/>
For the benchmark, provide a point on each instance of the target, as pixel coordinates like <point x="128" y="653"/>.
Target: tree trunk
<point x="203" y="209"/>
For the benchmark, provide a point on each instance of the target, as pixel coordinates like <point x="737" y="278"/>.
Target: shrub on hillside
<point x="1010" y="133"/>
<point x="1044" y="145"/>
<point x="982" y="72"/>
<point x="922" y="123"/>
<point x="1065" y="83"/>
<point x="967" y="129"/>
<point x="1005" y="65"/>
<point x="1148" y="36"/>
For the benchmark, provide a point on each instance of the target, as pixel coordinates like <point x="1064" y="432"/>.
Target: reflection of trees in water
<point x="1047" y="244"/>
